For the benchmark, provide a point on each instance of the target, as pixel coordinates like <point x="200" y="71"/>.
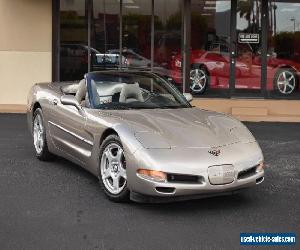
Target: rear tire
<point x="39" y="137"/>
<point x="199" y="78"/>
<point x="285" y="81"/>
<point x="112" y="169"/>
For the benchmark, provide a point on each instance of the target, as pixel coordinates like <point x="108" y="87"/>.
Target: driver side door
<point x="67" y="128"/>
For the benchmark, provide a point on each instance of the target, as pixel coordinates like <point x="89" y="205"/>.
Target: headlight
<point x="152" y="175"/>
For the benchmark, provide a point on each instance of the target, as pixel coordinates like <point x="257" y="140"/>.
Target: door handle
<point x="55" y="102"/>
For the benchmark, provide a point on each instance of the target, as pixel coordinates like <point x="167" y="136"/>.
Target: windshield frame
<point x="98" y="76"/>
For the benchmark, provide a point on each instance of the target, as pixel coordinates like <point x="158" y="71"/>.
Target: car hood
<point x="281" y="62"/>
<point x="190" y="127"/>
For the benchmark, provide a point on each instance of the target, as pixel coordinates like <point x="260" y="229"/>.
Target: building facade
<point x="240" y="57"/>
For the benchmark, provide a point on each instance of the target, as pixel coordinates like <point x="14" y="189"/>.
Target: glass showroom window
<point x="136" y="37"/>
<point x="167" y="39"/>
<point x="105" y="35"/>
<point x="284" y="49"/>
<point x="73" y="40"/>
<point x="210" y="46"/>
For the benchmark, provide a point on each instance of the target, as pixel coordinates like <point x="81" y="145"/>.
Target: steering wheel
<point x="150" y="95"/>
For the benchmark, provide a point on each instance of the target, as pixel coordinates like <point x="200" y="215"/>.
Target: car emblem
<point x="215" y="152"/>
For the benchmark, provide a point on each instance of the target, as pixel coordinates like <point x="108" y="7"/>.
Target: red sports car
<point x="212" y="68"/>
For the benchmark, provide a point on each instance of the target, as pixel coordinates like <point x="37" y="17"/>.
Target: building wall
<point x="25" y="47"/>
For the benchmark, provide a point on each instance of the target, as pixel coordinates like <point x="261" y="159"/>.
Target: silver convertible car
<point x="142" y="138"/>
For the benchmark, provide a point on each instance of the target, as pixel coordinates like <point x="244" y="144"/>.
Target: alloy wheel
<point x="286" y="82"/>
<point x="113" y="168"/>
<point x="198" y="80"/>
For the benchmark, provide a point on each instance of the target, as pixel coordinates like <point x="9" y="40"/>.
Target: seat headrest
<point x="130" y="93"/>
<point x="81" y="91"/>
<point x="96" y="97"/>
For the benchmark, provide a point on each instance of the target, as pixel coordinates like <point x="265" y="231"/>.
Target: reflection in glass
<point x="105" y="30"/>
<point x="210" y="65"/>
<point x="73" y="40"/>
<point x="248" y="52"/>
<point x="137" y="33"/>
<point x="284" y="47"/>
<point x="167" y="38"/>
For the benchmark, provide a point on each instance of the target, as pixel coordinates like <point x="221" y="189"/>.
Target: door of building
<point x="247" y="50"/>
<point x="228" y="41"/>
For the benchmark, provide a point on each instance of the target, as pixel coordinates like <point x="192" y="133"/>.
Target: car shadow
<point x="228" y="202"/>
<point x="76" y="169"/>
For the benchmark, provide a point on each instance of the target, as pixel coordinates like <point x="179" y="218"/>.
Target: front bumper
<point x="154" y="191"/>
<point x="246" y="157"/>
<point x="140" y="198"/>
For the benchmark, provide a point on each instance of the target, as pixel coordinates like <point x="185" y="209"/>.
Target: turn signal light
<point x="153" y="174"/>
<point x="260" y="167"/>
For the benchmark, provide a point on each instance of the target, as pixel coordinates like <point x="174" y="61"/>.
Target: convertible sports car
<point x="141" y="137"/>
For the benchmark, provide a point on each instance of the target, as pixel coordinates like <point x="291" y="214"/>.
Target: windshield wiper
<point x="158" y="107"/>
<point x="119" y="107"/>
<point x="172" y="107"/>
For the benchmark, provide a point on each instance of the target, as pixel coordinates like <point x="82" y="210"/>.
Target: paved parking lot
<point x="58" y="205"/>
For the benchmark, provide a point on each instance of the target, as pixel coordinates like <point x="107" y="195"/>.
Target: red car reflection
<point x="212" y="69"/>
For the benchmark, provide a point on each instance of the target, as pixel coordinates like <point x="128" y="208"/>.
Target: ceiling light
<point x="126" y="1"/>
<point x="210" y="2"/>
<point x="209" y="7"/>
<point x="131" y="6"/>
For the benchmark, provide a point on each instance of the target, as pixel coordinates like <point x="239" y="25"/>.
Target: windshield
<point x="132" y="90"/>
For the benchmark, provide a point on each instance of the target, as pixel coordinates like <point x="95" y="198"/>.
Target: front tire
<point x="39" y="136"/>
<point x="112" y="172"/>
<point x="285" y="81"/>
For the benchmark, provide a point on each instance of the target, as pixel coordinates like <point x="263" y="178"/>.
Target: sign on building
<point x="248" y="38"/>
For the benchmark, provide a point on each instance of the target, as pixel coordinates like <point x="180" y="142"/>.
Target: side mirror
<point x="188" y="97"/>
<point x="70" y="100"/>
